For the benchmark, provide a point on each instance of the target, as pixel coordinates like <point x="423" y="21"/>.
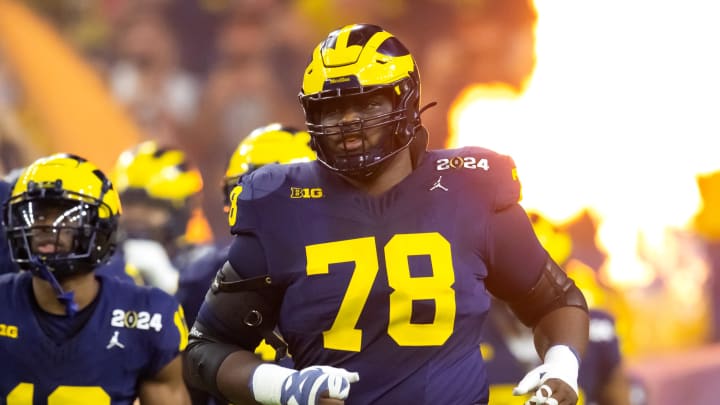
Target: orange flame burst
<point x="619" y="117"/>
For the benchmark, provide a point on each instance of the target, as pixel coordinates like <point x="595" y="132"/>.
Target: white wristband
<point x="564" y="363"/>
<point x="267" y="381"/>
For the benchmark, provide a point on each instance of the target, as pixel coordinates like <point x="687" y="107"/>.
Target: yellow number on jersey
<point x="22" y="394"/>
<point x="407" y="289"/>
<point x="343" y="334"/>
<point x="232" y="213"/>
<point x="181" y="325"/>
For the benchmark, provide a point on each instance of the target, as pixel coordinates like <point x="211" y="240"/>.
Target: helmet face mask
<point x="145" y="218"/>
<point x="350" y="65"/>
<point x="62" y="214"/>
<point x="369" y="137"/>
<point x="58" y="232"/>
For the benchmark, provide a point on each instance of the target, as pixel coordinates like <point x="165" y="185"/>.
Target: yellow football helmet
<point x="351" y="65"/>
<point x="61" y="216"/>
<point x="272" y="143"/>
<point x="163" y="177"/>
<point x="556" y="241"/>
<point x="160" y="173"/>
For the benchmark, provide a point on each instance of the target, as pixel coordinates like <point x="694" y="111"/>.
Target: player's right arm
<point x="219" y="355"/>
<point x="238" y="312"/>
<point x="166" y="387"/>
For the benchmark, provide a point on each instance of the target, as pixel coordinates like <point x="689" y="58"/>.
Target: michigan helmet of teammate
<point x="352" y="65"/>
<point x="273" y="143"/>
<point x="61" y="217"/>
<point x="556" y="241"/>
<point x="154" y="176"/>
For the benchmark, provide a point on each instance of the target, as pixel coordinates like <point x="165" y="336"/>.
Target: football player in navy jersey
<point x="67" y="334"/>
<point x="375" y="261"/>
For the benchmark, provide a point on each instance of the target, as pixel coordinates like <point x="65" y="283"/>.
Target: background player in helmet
<point x="70" y="335"/>
<point x="269" y="144"/>
<point x="375" y="262"/>
<point x="160" y="190"/>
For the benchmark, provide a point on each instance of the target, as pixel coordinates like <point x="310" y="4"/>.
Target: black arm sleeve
<point x="515" y="256"/>
<point x="522" y="273"/>
<point x="202" y="359"/>
<point x="238" y="312"/>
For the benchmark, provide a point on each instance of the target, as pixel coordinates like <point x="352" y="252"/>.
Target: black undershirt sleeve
<point x="515" y="256"/>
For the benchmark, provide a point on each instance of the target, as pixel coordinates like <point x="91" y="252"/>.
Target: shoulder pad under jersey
<point x="263" y="181"/>
<point x="169" y="330"/>
<point x="508" y="185"/>
<point x="499" y="170"/>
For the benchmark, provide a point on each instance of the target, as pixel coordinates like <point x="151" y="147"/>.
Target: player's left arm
<point x="539" y="292"/>
<point x="543" y="298"/>
<point x="166" y="387"/>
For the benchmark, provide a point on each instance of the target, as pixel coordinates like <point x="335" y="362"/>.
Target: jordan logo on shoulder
<point x="115" y="341"/>
<point x="437" y="185"/>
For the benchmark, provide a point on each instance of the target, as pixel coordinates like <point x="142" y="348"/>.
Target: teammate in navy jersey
<point x="375" y="261"/>
<point x="67" y="334"/>
<point x="507" y="350"/>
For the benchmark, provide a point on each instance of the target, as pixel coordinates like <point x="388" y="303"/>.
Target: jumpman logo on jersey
<point x="115" y="341"/>
<point x="438" y="185"/>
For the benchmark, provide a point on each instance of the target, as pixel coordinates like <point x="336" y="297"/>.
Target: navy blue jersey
<point x="132" y="334"/>
<point x="394" y="286"/>
<point x="602" y="356"/>
<point x="195" y="280"/>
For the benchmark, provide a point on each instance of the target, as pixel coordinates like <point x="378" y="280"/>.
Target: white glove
<point x="276" y="385"/>
<point x="560" y="362"/>
<point x="152" y="261"/>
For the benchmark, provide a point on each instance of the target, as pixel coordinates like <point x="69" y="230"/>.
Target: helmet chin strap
<point x="67" y="298"/>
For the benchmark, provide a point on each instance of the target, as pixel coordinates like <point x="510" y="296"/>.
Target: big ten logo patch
<point x="10" y="331"/>
<point x="306" y="192"/>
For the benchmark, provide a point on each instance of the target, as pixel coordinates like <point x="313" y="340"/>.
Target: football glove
<point x="560" y="362"/>
<point x="275" y="385"/>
